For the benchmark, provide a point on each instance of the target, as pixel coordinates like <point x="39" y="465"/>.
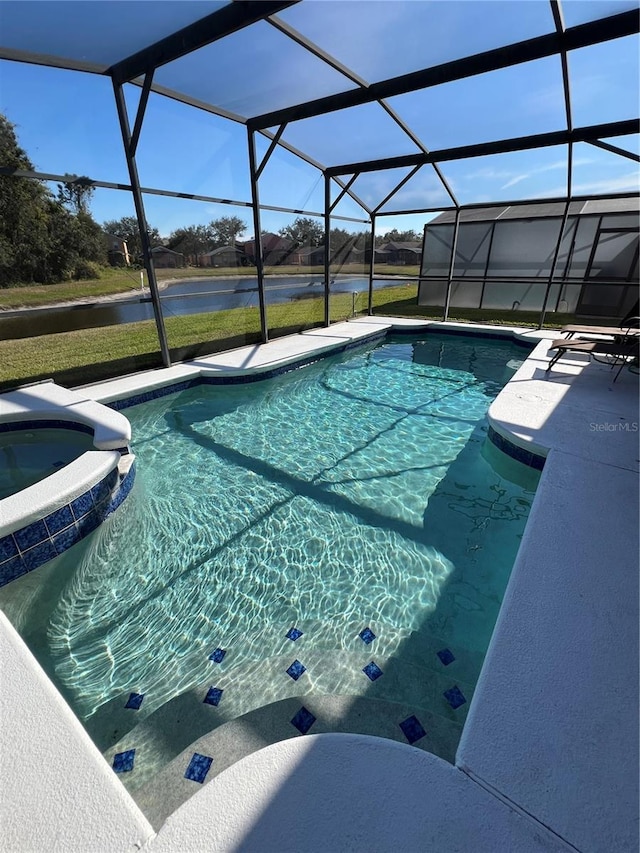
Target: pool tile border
<point x="526" y="457"/>
<point x="35" y="544"/>
<point x="238" y="378"/>
<point x="47" y="423"/>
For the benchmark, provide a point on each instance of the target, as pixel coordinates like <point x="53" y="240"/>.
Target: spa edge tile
<point x="59" y="519"/>
<point x="8" y="547"/>
<point x="31" y="535"/>
<point x="39" y="554"/>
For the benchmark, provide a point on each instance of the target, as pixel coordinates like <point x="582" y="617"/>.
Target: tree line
<point x="48" y="237"/>
<point x="44" y="238"/>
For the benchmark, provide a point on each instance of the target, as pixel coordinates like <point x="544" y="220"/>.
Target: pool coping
<point x="529" y="423"/>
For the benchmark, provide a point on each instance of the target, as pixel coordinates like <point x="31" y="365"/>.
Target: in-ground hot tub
<point x="31" y="452"/>
<point x="67" y="467"/>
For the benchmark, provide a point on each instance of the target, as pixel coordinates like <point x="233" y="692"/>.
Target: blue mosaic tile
<point x="454" y="697"/>
<point x="214" y="695"/>
<point x="412" y="729"/>
<point x="520" y="454"/>
<point x="88" y="523"/>
<point x="63" y="541"/>
<point x="31" y="535"/>
<point x="39" y="555"/>
<point x="303" y="720"/>
<point x="82" y="505"/>
<point x="12" y="569"/>
<point x="372" y="671"/>
<point x="217" y="656"/>
<point x="296" y="669"/>
<point x="123" y="761"/>
<point x="58" y="464"/>
<point x="59" y="519"/>
<point x="45" y="423"/>
<point x="198" y="767"/>
<point x="100" y="492"/>
<point x="446" y="656"/>
<point x="367" y="636"/>
<point x="134" y="701"/>
<point x="294" y="634"/>
<point x="8" y="548"/>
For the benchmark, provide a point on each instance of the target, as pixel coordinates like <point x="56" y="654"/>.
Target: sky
<point x="67" y="123"/>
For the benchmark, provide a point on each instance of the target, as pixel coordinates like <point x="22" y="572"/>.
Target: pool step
<point x="169" y="788"/>
<point x="245" y="656"/>
<point x="172" y="727"/>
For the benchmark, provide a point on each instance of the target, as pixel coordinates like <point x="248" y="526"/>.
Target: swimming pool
<point x="324" y="550"/>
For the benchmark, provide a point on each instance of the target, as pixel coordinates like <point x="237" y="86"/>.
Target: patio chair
<point x="625" y="349"/>
<point x="630" y="323"/>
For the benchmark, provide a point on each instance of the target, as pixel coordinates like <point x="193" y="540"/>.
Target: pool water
<point x="28" y="456"/>
<point x="352" y="500"/>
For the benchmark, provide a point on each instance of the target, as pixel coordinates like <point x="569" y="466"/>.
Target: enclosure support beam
<point x="502" y="146"/>
<point x="621" y="152"/>
<point x="372" y="264"/>
<point x="566" y="81"/>
<point x="398" y="186"/>
<point x="345" y="190"/>
<point x="229" y="19"/>
<point x="583" y="35"/>
<point x="327" y="248"/>
<point x="142" y="106"/>
<point x="452" y="263"/>
<point x="270" y="150"/>
<point x="257" y="242"/>
<point x="142" y="222"/>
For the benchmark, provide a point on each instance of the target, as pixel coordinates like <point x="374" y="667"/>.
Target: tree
<point x="40" y="239"/>
<point x="76" y="193"/>
<point x="23" y="214"/>
<point x="395" y="236"/>
<point x="225" y="231"/>
<point x="304" y="231"/>
<point x="127" y="229"/>
<point x="192" y="241"/>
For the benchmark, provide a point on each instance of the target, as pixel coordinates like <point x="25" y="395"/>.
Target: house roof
<point x="535" y="210"/>
<point x="222" y="250"/>
<point x="164" y="250"/>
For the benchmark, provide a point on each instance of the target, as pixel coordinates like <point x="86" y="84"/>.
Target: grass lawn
<point x="89" y="355"/>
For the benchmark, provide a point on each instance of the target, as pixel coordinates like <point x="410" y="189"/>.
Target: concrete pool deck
<point x="548" y="757"/>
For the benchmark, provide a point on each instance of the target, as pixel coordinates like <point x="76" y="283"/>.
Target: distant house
<point x="306" y="256"/>
<point x="225" y="256"/>
<point x="275" y="250"/>
<point x="164" y="258"/>
<point x="403" y="254"/>
<point x="117" y="250"/>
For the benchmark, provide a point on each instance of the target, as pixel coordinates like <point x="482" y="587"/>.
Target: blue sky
<point x="67" y="122"/>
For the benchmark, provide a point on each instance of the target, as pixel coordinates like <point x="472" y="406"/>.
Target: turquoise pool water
<point x="355" y="493"/>
<point x="29" y="455"/>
